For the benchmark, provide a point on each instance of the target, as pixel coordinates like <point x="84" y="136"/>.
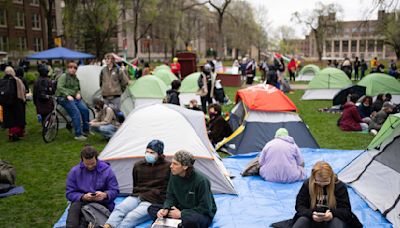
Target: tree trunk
<point x="220" y="40"/>
<point x="49" y="15"/>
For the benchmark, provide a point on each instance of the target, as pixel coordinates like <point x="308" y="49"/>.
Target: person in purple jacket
<point x="281" y="160"/>
<point x="91" y="181"/>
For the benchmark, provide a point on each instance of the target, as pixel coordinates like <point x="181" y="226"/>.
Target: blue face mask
<point x="150" y="158"/>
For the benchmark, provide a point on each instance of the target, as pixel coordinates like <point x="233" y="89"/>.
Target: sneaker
<point x="87" y="133"/>
<point x="373" y="131"/>
<point x="80" y="138"/>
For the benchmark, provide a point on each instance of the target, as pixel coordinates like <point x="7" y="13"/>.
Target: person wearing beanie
<point x="281" y="160"/>
<point x="189" y="196"/>
<point x="150" y="180"/>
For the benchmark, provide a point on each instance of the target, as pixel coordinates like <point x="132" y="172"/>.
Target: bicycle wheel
<point x="50" y="128"/>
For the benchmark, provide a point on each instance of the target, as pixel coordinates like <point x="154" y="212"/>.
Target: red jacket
<point x="175" y="68"/>
<point x="292" y="65"/>
<point x="350" y="118"/>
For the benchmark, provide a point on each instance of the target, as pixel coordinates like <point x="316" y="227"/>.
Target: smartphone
<point x="93" y="194"/>
<point x="319" y="214"/>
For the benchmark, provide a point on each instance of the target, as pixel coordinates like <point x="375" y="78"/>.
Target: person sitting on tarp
<point x="281" y="159"/>
<point x="350" y="119"/>
<point x="218" y="128"/>
<point x="189" y="195"/>
<point x="91" y="181"/>
<point x="380" y="117"/>
<point x="323" y="201"/>
<point x="377" y="105"/>
<point x="365" y="109"/>
<point x="150" y="180"/>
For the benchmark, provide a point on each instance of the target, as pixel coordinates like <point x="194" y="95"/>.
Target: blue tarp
<point x="260" y="203"/>
<point x="60" y="53"/>
<point x="14" y="191"/>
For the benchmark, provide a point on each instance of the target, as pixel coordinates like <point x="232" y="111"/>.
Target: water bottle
<point x="39" y="118"/>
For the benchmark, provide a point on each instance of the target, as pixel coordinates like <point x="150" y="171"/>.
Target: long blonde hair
<point x="324" y="170"/>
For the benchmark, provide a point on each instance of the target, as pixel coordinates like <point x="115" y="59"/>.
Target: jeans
<point x="75" y="218"/>
<point x="131" y="212"/>
<point x="107" y="130"/>
<point x="304" y="222"/>
<point x="76" y="109"/>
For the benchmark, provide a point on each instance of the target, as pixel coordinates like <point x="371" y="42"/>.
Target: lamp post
<point x="148" y="45"/>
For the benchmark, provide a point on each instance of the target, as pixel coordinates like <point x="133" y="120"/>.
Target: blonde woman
<point x="323" y="201"/>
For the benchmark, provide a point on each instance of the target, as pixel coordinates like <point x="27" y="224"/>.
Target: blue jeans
<point x="76" y="109"/>
<point x="107" y="130"/>
<point x="130" y="213"/>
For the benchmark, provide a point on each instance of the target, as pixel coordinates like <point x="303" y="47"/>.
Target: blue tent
<point x="60" y="53"/>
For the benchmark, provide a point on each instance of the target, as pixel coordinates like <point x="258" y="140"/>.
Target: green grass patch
<point x="42" y="168"/>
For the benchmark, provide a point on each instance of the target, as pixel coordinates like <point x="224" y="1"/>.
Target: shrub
<point x="31" y="76"/>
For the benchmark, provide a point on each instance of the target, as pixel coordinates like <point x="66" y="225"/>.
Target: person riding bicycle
<point x="106" y="122"/>
<point x="69" y="97"/>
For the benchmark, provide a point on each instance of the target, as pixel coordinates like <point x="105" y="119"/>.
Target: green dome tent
<point x="165" y="75"/>
<point x="162" y="67"/>
<point x="377" y="83"/>
<point x="308" y="72"/>
<point x="189" y="88"/>
<point x="326" y="84"/>
<point x="147" y="89"/>
<point x="375" y="173"/>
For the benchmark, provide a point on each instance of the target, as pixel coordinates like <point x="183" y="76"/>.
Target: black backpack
<point x="7" y="176"/>
<point x="8" y="91"/>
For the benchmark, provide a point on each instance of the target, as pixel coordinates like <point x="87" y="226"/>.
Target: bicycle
<point x="57" y="117"/>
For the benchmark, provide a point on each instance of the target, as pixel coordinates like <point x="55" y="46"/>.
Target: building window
<point x="354" y="46"/>
<point x="35" y="2"/>
<point x="21" y="45"/>
<point x="19" y="20"/>
<point x="371" y="45"/>
<point x="3" y="43"/>
<point x="362" y="45"/>
<point x="328" y="46"/>
<point x="3" y="18"/>
<point x="336" y="46"/>
<point x="379" y="45"/>
<point x="18" y="1"/>
<point x="37" y="44"/>
<point x="36" y="21"/>
<point x="345" y="46"/>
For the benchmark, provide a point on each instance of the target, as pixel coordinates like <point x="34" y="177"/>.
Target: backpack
<point x="8" y="91"/>
<point x="95" y="214"/>
<point x="7" y="176"/>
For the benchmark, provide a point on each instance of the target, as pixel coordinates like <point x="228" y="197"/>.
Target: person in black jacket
<point x="218" y="128"/>
<point x="42" y="91"/>
<point x="323" y="201"/>
<point x="173" y="94"/>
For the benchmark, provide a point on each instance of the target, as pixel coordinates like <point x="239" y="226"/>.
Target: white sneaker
<point x="80" y="138"/>
<point x="373" y="131"/>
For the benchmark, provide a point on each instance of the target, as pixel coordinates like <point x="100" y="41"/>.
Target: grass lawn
<point x="42" y="168"/>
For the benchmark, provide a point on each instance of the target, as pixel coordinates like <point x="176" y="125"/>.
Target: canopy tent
<point x="60" y="53"/>
<point x="165" y="75"/>
<point x="377" y="83"/>
<point x="341" y="97"/>
<point x="259" y="112"/>
<point x="89" y="80"/>
<point x="179" y="128"/>
<point x="375" y="174"/>
<point x="146" y="90"/>
<point x="326" y="84"/>
<point x="308" y="72"/>
<point x="189" y="88"/>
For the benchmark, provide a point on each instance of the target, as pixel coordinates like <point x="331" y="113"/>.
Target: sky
<point x="280" y="11"/>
